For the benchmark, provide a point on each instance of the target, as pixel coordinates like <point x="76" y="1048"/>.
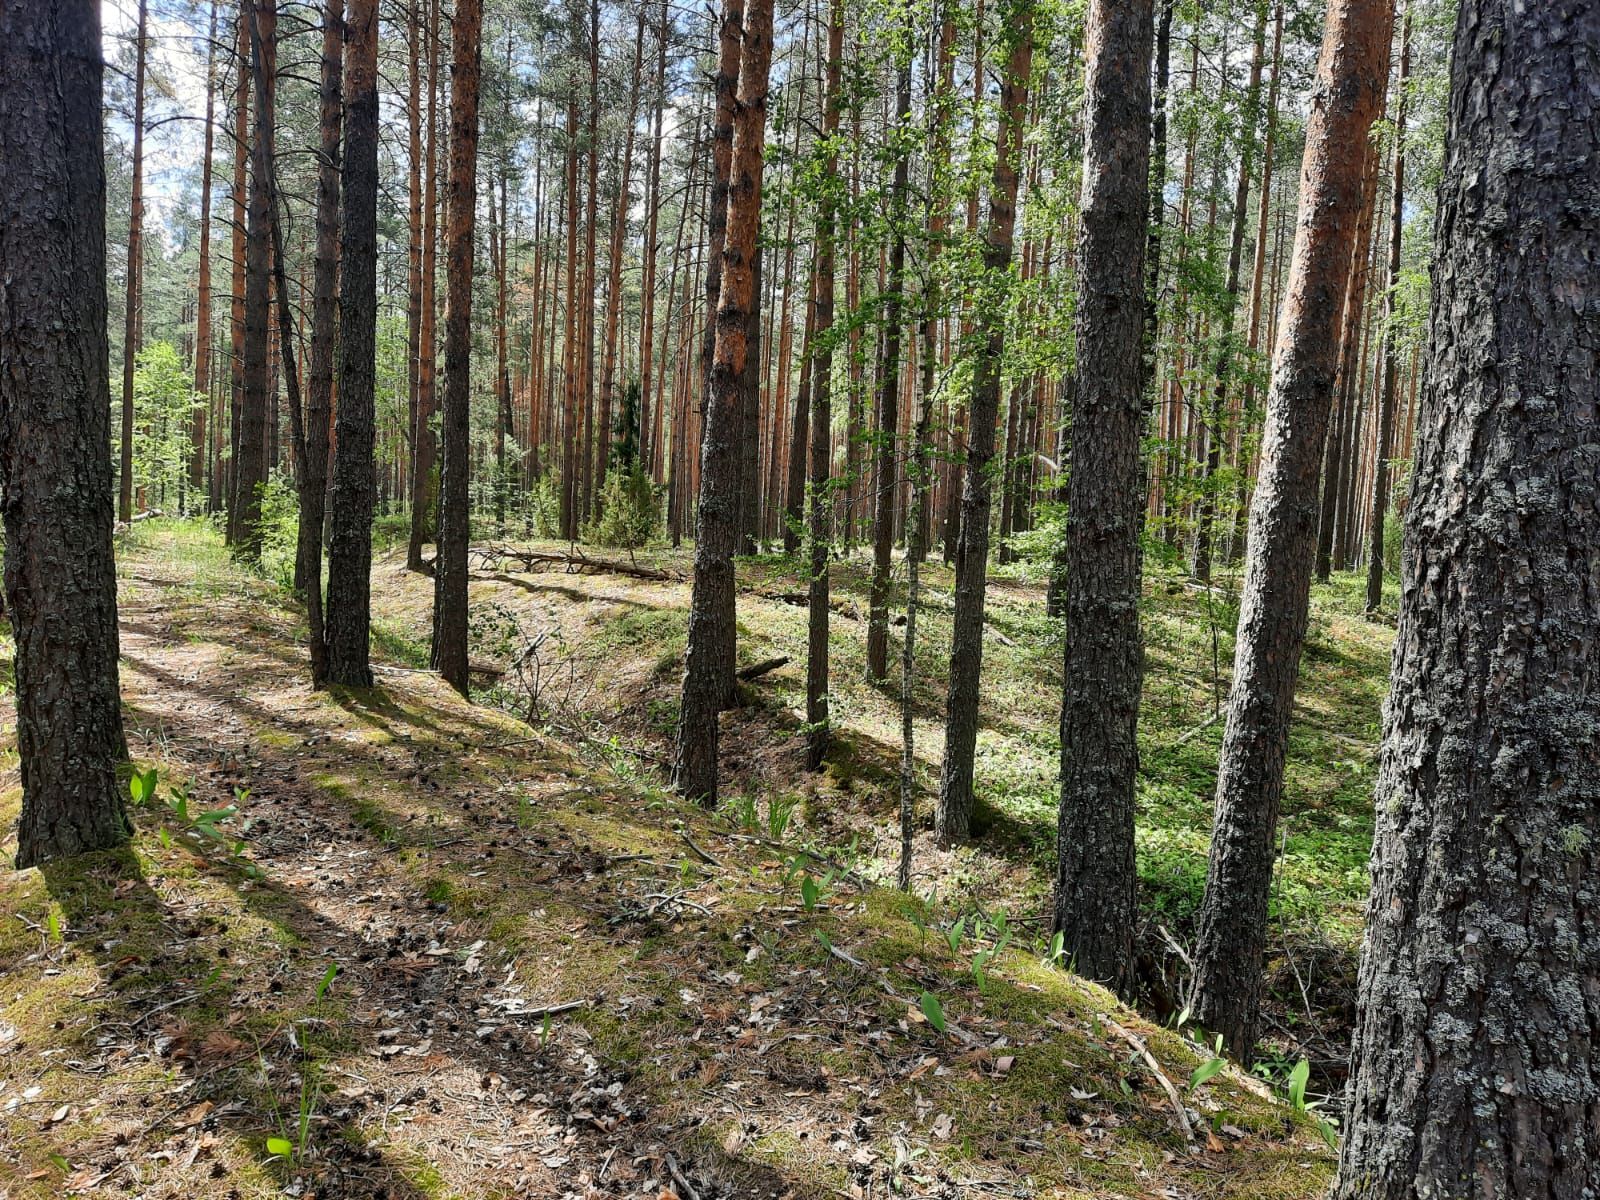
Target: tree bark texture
<point x="450" y="566"/>
<point x="1346" y="97"/>
<point x="1095" y="907"/>
<point x="251" y="467"/>
<point x="708" y="665"/>
<point x="55" y="430"/>
<point x="1475" y="1065"/>
<point x="349" y="616"/>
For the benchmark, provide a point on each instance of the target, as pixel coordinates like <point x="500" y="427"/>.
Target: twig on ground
<point x="1137" y="1043"/>
<point x="699" y="852"/>
<point x="677" y="1177"/>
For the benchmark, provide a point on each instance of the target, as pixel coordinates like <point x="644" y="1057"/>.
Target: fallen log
<point x="572" y="562"/>
<point x="766" y="665"/>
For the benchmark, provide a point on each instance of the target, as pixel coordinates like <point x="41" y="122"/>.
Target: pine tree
<point x="1475" y="1069"/>
<point x="55" y="430"/>
<point x="1273" y="605"/>
<point x="1103" y="672"/>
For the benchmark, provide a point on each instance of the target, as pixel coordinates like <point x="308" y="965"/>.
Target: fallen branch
<point x="1137" y="1043"/>
<point x="699" y="853"/>
<point x="677" y="1177"/>
<point x="573" y="562"/>
<point x="765" y="666"/>
<point x="550" y="1010"/>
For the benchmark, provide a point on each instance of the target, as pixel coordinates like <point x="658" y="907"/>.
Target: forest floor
<point x="438" y="952"/>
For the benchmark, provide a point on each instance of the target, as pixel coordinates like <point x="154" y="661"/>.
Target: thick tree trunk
<point x="1346" y="98"/>
<point x="1475" y="1067"/>
<point x="1390" y="354"/>
<point x="55" y="431"/>
<point x="1095" y="908"/>
<point x="450" y="567"/>
<point x="821" y="447"/>
<point x="972" y="540"/>
<point x="708" y="665"/>
<point x="349" y="620"/>
<point x="251" y="469"/>
<point x="889" y="391"/>
<point x="324" y="278"/>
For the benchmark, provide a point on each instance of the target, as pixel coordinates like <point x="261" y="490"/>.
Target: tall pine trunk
<point x="202" y="303"/>
<point x="130" y="324"/>
<point x="324" y="277"/>
<point x="888" y="407"/>
<point x="1095" y="909"/>
<point x="708" y="665"/>
<point x="1475" y="1066"/>
<point x="55" y="430"/>
<point x="424" y="445"/>
<point x="972" y="537"/>
<point x="450" y="567"/>
<point x="821" y="445"/>
<point x="241" y="151"/>
<point x="251" y="467"/>
<point x="1389" y="353"/>
<point x="349" y="618"/>
<point x="1346" y="98"/>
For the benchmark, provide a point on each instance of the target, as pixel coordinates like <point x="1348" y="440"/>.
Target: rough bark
<point x="972" y="539"/>
<point x="1095" y="909"/>
<point x="450" y="566"/>
<point x="55" y="431"/>
<point x="1475" y="1070"/>
<point x="251" y="467"/>
<point x="1346" y="98"/>
<point x="349" y="618"/>
<point x="708" y="664"/>
<point x="1390" y="353"/>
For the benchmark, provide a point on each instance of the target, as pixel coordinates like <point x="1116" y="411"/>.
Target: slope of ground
<point x="599" y="652"/>
<point x="437" y="953"/>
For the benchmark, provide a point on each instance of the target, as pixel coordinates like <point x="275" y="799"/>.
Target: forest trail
<point x="716" y="1026"/>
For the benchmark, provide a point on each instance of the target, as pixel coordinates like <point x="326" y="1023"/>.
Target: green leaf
<point x="60" y="1162"/>
<point x="1329" y="1133"/>
<point x="810" y="893"/>
<point x="142" y="785"/>
<point x="1297" y="1083"/>
<point x="52" y="920"/>
<point x="280" y="1146"/>
<point x="1207" y="1069"/>
<point x="827" y="943"/>
<point x="327" y="980"/>
<point x="933" y="1010"/>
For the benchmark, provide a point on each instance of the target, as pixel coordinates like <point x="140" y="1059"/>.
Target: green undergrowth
<point x="780" y="1021"/>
